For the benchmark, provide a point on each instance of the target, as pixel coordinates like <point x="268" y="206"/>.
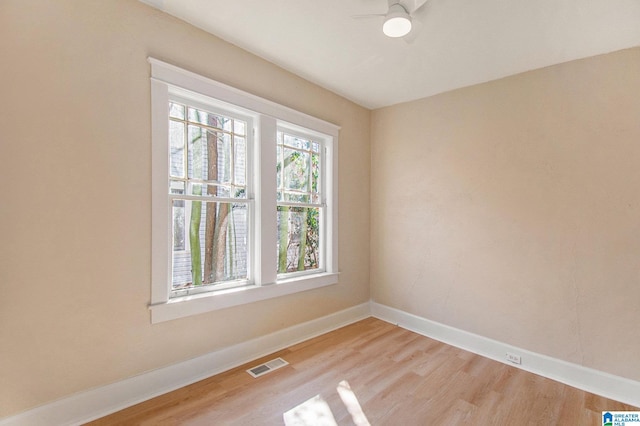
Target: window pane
<point x="315" y="173"/>
<point x="239" y="192"/>
<point x="224" y="158"/>
<point x="209" y="155"/>
<point x="239" y="127"/>
<point x="296" y="170"/>
<point x="196" y="152"/>
<point x="213" y="120"/>
<point x="176" y="110"/>
<point x="298" y="239"/>
<point x="279" y="169"/>
<point x="240" y="161"/>
<point x="176" y="146"/>
<point x="209" y="190"/>
<point x="297" y="142"/>
<point x="178" y="225"/>
<point x="176" y="187"/>
<point x="215" y="243"/>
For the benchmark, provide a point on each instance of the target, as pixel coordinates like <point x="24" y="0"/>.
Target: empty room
<point x="320" y="212"/>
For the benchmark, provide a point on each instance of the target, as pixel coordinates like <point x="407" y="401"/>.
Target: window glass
<point x="210" y="232"/>
<point x="299" y="209"/>
<point x="217" y="243"/>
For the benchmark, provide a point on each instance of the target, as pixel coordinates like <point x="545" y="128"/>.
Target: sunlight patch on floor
<point x="316" y="411"/>
<point x="350" y="401"/>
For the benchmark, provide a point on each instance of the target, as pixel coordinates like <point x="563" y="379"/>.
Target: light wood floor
<point x="398" y="378"/>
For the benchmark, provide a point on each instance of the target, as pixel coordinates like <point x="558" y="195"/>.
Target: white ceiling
<point x="458" y="43"/>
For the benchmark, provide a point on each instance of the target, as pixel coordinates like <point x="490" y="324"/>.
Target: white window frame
<point x="192" y="100"/>
<point x="267" y="117"/>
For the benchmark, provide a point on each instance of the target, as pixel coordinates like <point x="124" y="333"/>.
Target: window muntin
<point x="209" y="202"/>
<point x="300" y="212"/>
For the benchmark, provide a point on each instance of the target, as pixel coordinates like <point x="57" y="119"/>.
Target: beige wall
<point x="511" y="209"/>
<point x="75" y="165"/>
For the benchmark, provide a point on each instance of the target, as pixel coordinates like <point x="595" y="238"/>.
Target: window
<point x="208" y="194"/>
<point x="300" y="207"/>
<point x="244" y="197"/>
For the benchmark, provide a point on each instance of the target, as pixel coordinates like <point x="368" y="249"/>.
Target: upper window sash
<point x="239" y="130"/>
<point x="312" y="148"/>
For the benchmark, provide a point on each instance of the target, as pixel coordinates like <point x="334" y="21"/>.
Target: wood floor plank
<point x="398" y="378"/>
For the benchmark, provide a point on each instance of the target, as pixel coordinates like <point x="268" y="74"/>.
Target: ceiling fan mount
<point x="398" y="21"/>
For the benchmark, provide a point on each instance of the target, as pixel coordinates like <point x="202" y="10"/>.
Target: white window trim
<point x="267" y="117"/>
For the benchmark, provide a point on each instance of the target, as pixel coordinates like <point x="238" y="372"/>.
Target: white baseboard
<point x="587" y="379"/>
<point x="95" y="403"/>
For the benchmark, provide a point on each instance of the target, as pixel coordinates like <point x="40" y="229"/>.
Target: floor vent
<point x="267" y="367"/>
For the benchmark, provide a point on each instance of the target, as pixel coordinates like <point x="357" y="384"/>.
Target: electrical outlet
<point x="514" y="358"/>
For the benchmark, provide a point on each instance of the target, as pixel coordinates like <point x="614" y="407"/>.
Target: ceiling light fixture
<point x="397" y="22"/>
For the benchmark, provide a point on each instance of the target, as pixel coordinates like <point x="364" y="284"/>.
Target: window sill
<point x="180" y="307"/>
